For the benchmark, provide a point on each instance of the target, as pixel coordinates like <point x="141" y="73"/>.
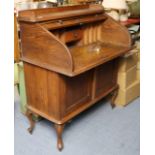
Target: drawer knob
<point x="60" y="21"/>
<point x="75" y="35"/>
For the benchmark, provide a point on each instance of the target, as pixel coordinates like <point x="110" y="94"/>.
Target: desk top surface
<point x="91" y="55"/>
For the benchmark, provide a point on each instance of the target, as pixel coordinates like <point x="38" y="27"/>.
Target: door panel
<point x="78" y="90"/>
<point x="104" y="78"/>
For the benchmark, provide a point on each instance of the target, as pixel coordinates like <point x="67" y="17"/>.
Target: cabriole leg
<point x="29" y="115"/>
<point x="59" y="129"/>
<point x="114" y="95"/>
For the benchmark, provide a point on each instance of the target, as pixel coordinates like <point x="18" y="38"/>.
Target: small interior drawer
<point x="72" y="35"/>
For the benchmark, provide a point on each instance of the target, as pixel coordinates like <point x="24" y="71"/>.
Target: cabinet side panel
<point x="42" y="90"/>
<point x="42" y="48"/>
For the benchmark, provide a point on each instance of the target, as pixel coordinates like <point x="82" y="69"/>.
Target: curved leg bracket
<point x="59" y="129"/>
<point x="29" y="115"/>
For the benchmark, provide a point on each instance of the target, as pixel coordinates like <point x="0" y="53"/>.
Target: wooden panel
<point x="78" y="90"/>
<point x="105" y="78"/>
<point x="42" y="88"/>
<point x="42" y="48"/>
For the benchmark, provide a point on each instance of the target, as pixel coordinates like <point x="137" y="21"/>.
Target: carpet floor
<point x="100" y="130"/>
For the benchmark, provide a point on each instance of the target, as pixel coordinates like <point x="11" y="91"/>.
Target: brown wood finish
<point x="59" y="129"/>
<point x="114" y="95"/>
<point x="40" y="15"/>
<point x="16" y="41"/>
<point x="70" y="60"/>
<point x="29" y="115"/>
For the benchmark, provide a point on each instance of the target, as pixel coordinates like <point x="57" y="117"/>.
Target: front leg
<point x="59" y="129"/>
<point x="29" y="115"/>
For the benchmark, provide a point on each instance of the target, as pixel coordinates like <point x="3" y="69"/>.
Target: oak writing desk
<point x="70" y="60"/>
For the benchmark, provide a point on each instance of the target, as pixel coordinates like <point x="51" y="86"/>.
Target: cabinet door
<point x="105" y="78"/>
<point x="78" y="90"/>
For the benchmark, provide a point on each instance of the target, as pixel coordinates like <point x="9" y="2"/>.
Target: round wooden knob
<point x="75" y="35"/>
<point x="60" y="22"/>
